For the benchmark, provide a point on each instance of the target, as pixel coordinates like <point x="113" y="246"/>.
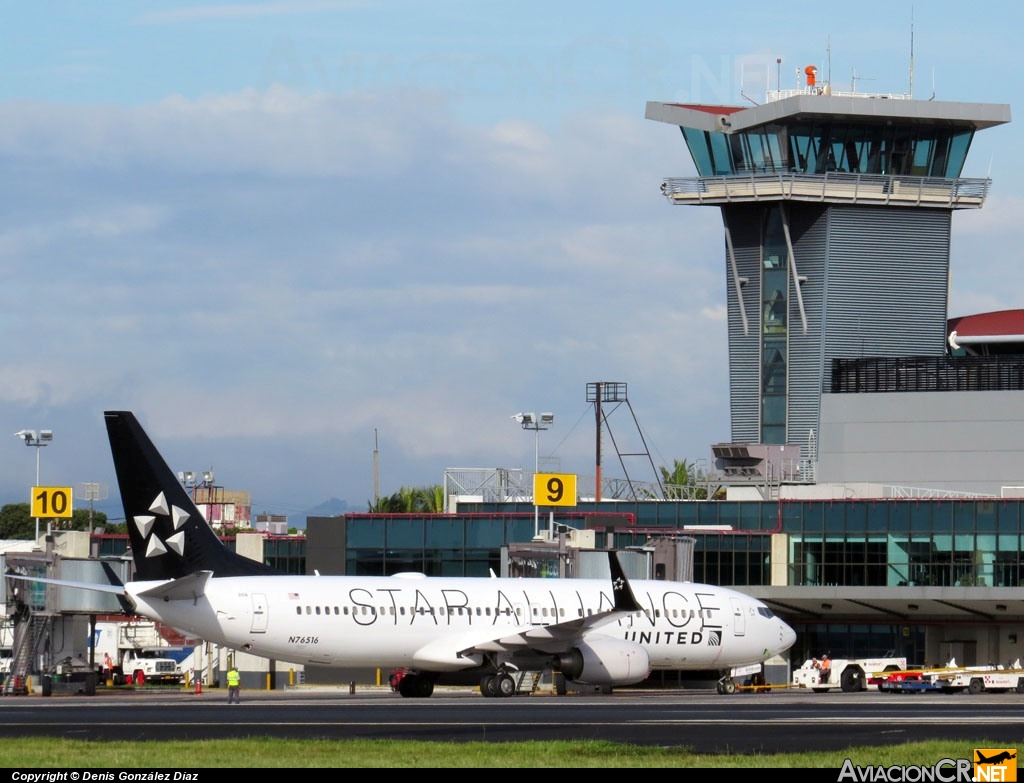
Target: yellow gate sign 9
<point x="554" y="489"/>
<point x="51" y="502"/>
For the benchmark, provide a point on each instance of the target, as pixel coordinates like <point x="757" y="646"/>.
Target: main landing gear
<point x="499" y="684"/>
<point x="415" y="686"/>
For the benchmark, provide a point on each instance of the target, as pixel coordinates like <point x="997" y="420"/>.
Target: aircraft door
<point x="739" y="620"/>
<point x="259" y="613"/>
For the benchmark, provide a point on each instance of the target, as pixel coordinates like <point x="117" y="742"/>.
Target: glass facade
<point x="819" y="147"/>
<point x="774" y="328"/>
<point x="870" y="543"/>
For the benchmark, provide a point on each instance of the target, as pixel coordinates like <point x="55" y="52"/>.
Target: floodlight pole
<point x="39" y="440"/>
<point x="530" y="421"/>
<point x="536" y="470"/>
<point x="38" y="446"/>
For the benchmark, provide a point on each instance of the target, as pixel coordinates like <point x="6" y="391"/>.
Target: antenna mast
<point x="376" y="469"/>
<point x="911" y="51"/>
<point x="828" y="60"/>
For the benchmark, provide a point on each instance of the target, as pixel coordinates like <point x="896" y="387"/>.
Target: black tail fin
<point x="169" y="537"/>
<point x="625" y="601"/>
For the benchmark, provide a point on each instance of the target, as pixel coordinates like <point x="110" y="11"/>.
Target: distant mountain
<point x="329" y="508"/>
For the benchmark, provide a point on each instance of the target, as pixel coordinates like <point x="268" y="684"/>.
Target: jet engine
<point x="605" y="662"/>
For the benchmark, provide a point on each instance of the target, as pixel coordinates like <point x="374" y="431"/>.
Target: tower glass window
<point x="774" y="312"/>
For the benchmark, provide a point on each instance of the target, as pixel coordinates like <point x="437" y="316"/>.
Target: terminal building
<point x="870" y="490"/>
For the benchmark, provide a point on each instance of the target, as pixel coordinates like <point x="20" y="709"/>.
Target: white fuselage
<point x="430" y="623"/>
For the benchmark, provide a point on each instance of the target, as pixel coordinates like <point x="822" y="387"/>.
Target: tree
<point x="411" y="500"/>
<point x="84" y="519"/>
<point x="17" y="523"/>
<point x="685" y="481"/>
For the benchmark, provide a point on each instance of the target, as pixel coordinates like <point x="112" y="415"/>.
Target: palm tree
<point x="411" y="500"/>
<point x="685" y="481"/>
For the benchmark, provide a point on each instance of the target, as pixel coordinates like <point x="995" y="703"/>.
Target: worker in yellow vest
<point x="234" y="685"/>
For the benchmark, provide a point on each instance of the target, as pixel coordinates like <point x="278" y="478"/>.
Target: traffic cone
<point x="199" y="686"/>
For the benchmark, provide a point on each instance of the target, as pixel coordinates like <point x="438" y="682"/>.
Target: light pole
<point x="206" y="499"/>
<point x="530" y="421"/>
<point x="32" y="439"/>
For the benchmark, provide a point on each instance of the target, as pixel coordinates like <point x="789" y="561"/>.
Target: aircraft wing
<point x="547" y="638"/>
<point x="560" y="636"/>
<point x="468" y="648"/>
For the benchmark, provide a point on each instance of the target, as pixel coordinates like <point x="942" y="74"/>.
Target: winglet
<point x="625" y="601"/>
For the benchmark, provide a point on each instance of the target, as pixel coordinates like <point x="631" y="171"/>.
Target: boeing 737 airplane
<point x="595" y="632"/>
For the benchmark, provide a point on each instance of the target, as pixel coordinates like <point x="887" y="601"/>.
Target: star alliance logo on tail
<point x="145" y="523"/>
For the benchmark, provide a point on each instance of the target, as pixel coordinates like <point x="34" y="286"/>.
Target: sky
<point x="328" y="249"/>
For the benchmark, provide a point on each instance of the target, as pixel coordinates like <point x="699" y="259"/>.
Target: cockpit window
<point x="765" y="612"/>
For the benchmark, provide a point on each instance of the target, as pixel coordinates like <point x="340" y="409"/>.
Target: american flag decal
<point x="293" y="596"/>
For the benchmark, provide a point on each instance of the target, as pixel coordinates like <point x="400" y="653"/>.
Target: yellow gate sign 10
<point x="554" y="489"/>
<point x="51" y="502"/>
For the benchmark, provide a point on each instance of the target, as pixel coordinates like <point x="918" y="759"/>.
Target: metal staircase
<point x="31" y="632"/>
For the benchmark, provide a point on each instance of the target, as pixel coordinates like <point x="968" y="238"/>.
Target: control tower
<point x="837" y="209"/>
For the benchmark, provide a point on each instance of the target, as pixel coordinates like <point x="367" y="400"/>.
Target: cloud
<point x="269" y="278"/>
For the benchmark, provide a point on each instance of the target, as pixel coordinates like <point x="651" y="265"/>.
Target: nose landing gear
<point x="726" y="685"/>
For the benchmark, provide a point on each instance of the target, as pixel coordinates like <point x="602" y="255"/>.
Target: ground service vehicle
<point x="150" y="666"/>
<point x="136" y="652"/>
<point x="849" y="674"/>
<point x="980" y="681"/>
<point x="955" y="679"/>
